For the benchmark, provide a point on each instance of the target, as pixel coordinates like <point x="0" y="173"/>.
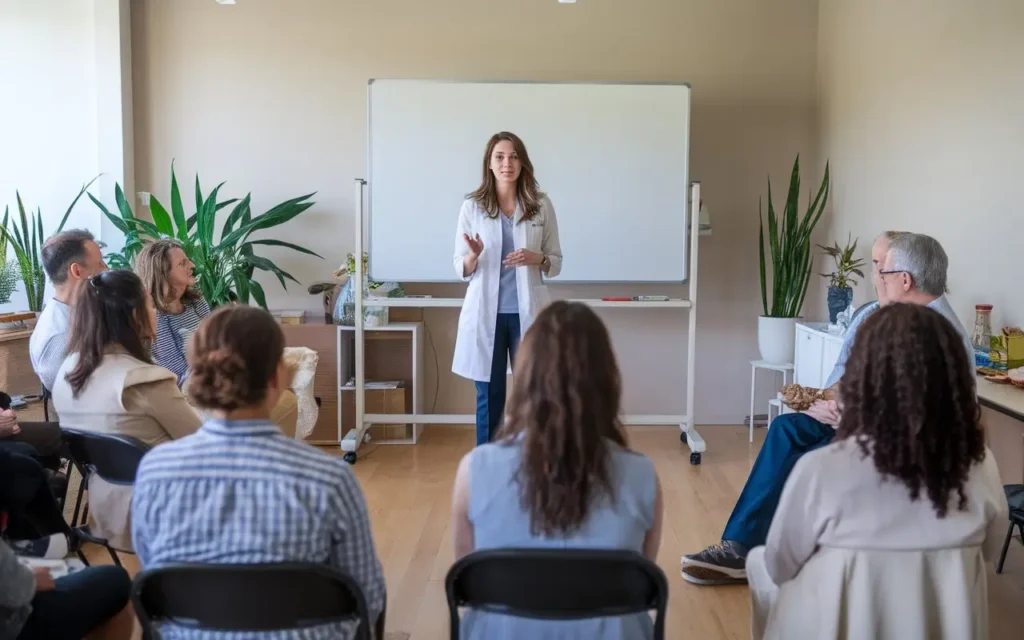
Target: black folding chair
<point x="113" y="458"/>
<point x="249" y="597"/>
<point x="1015" y="499"/>
<point x="557" y="584"/>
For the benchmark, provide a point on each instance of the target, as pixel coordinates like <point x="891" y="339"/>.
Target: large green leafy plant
<point x="847" y="264"/>
<point x="789" y="243"/>
<point x="27" y="239"/>
<point x="224" y="265"/>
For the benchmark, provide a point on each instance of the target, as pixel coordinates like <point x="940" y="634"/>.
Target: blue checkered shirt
<point x="241" y="492"/>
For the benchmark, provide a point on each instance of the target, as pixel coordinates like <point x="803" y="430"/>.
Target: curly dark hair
<point x="909" y="402"/>
<point x="564" y="405"/>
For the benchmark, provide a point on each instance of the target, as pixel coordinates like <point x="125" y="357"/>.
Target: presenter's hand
<point x="523" y="258"/>
<point x="825" y="411"/>
<point x="476" y="245"/>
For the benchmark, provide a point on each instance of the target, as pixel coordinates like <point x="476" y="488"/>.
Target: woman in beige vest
<point x="109" y="384"/>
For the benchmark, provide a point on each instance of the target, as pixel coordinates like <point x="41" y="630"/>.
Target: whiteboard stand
<point x="355" y="437"/>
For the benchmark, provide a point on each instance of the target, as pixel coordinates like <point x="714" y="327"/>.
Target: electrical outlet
<point x="144" y="198"/>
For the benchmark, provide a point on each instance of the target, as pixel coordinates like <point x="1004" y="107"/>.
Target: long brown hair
<point x="110" y="309"/>
<point x="527" y="189"/>
<point x="152" y="265"/>
<point x="234" y="354"/>
<point x="909" y="402"/>
<point x="565" y="408"/>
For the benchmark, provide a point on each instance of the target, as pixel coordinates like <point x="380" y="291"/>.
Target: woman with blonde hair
<point x="170" y="278"/>
<point x="560" y="473"/>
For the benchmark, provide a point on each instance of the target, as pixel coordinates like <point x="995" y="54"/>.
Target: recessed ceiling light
<point x="225" y="1"/>
<point x="566" y="1"/>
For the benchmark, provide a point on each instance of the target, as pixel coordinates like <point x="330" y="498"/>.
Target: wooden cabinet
<point x="815" y="354"/>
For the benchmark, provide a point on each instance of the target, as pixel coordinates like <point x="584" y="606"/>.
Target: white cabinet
<point x="815" y="354"/>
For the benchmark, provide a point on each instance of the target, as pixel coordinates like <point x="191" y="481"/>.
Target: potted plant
<point x="27" y="240"/>
<point x="840" y="283"/>
<point x="788" y="238"/>
<point x="225" y="266"/>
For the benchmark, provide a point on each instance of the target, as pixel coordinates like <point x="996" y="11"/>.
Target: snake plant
<point x="789" y="243"/>
<point x="224" y="266"/>
<point x="27" y="239"/>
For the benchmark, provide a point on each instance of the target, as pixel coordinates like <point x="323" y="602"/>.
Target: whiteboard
<point x="613" y="159"/>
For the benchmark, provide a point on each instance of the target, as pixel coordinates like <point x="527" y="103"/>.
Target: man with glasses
<point x="906" y="268"/>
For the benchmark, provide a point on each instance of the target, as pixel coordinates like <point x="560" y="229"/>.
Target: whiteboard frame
<point x="688" y="432"/>
<point x="368" y="211"/>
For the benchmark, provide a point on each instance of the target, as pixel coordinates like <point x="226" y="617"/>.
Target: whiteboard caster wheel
<point x="682" y="437"/>
<point x="350" y="457"/>
<point x="695" y="458"/>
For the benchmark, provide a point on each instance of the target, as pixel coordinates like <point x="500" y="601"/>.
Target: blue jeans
<point x="490" y="396"/>
<point x="81" y="602"/>
<point x="791" y="435"/>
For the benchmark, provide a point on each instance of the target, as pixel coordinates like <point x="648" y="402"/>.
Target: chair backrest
<point x="113" y="458"/>
<point x="249" y="597"/>
<point x="557" y="584"/>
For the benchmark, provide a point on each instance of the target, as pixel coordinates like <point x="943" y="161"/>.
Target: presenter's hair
<point x="565" y="407"/>
<point x="234" y="354"/>
<point x="528" y="191"/>
<point x="910" y="405"/>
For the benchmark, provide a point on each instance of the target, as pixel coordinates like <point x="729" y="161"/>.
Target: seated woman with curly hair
<point x="886" y="530"/>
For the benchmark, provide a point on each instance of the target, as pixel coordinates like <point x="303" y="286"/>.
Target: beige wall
<point x="922" y="116"/>
<point x="271" y="97"/>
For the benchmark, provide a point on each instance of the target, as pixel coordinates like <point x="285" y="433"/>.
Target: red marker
<point x="616" y="299"/>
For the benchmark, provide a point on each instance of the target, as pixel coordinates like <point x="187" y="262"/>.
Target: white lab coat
<point x="474" y="345"/>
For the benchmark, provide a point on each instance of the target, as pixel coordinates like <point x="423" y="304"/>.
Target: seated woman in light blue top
<point x="560" y="474"/>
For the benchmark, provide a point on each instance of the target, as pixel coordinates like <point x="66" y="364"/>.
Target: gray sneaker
<point x="719" y="564"/>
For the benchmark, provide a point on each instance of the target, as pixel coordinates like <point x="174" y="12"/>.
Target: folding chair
<point x="249" y="598"/>
<point x="113" y="458"/>
<point x="557" y="584"/>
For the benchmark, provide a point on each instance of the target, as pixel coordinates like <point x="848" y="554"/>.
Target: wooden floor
<point x="408" y="490"/>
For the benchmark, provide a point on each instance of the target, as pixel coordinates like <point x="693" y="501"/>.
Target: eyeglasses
<point x="891" y="271"/>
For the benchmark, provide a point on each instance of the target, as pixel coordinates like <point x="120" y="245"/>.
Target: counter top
<point x="1004" y="398"/>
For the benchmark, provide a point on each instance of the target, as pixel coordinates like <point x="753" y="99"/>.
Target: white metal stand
<point x="688" y="433"/>
<point x="784" y="369"/>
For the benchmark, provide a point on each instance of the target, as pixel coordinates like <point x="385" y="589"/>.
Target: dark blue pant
<point x="790" y="436"/>
<point x="490" y="396"/>
<point x="82" y="601"/>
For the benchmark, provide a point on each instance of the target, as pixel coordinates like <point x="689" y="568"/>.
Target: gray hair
<point x="923" y="258"/>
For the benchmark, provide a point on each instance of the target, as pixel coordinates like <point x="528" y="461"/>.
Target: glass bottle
<point x="981" y="337"/>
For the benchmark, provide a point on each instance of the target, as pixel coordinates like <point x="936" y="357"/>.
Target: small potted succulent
<point x="841" y="281"/>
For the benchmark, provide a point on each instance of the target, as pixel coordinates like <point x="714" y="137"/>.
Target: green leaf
<point x="160" y="217"/>
<point x="236" y="215"/>
<point x="67" y="214"/>
<point x="177" y="208"/>
<point x="281" y="243"/>
<point x="257" y="293"/>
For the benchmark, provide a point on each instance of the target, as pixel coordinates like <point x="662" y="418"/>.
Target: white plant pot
<point x="776" y="338"/>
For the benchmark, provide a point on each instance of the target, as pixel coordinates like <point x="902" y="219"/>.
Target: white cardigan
<point x="854" y="557"/>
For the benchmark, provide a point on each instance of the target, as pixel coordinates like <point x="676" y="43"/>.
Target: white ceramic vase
<point x="776" y="338"/>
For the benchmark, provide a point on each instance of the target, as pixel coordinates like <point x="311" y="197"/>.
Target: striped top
<point x="241" y="492"/>
<point x="172" y="334"/>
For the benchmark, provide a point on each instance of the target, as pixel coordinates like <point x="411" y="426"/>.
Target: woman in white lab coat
<point x="505" y="244"/>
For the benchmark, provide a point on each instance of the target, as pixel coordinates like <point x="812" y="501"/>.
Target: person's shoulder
<point x="137" y="372"/>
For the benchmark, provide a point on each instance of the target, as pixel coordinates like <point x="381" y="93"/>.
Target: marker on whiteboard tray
<point x="651" y="298"/>
<point x="616" y="299"/>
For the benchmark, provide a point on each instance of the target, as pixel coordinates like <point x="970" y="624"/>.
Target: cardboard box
<point x="393" y="400"/>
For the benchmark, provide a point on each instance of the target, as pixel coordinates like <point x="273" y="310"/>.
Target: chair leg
<point x="78" y="504"/>
<point x="1006" y="545"/>
<point x="113" y="554"/>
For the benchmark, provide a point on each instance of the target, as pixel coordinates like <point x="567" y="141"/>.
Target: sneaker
<point x="52" y="547"/>
<point x="719" y="564"/>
